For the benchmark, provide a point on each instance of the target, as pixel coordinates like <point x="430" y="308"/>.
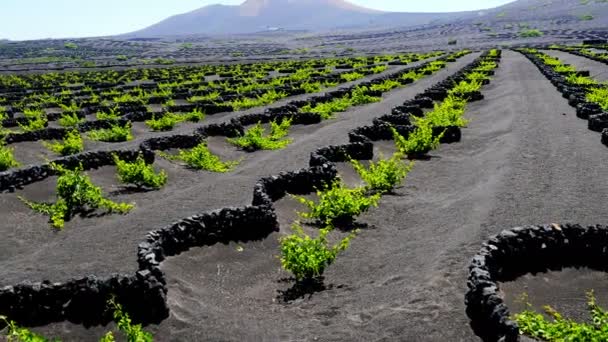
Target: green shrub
<point x="531" y="33"/>
<point x="586" y="17"/>
<point x="255" y="138"/>
<point x="311" y="87"/>
<point x="599" y="96"/>
<point x="115" y="133"/>
<point x="307" y="258"/>
<point x="194" y="116"/>
<point x="327" y="109"/>
<point x="75" y="193"/>
<point x="564" y="68"/>
<point x="412" y="75"/>
<point x="139" y="173"/>
<point x="19" y="334"/>
<point x="36" y="120"/>
<point x="465" y="87"/>
<point x="385" y="86"/>
<point x="262" y="100"/>
<point x="537" y="326"/>
<point x="72" y="144"/>
<point x="111" y="114"/>
<point x="133" y="332"/>
<point x="384" y="175"/>
<point x="70" y="119"/>
<point x="351" y="76"/>
<point x="580" y="80"/>
<point x="201" y="158"/>
<point x="7" y="157"/>
<point x="359" y="97"/>
<point x="337" y="203"/>
<point x="165" y="123"/>
<point x="204" y="98"/>
<point x="419" y="142"/>
<point x="279" y="130"/>
<point x="449" y="113"/>
<point x="477" y="76"/>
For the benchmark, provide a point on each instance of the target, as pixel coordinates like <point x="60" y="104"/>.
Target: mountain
<point x="260" y="15"/>
<point x="327" y="15"/>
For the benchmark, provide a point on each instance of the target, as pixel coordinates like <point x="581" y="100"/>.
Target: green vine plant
<point x="419" y="142"/>
<point x="450" y="112"/>
<point x="15" y="333"/>
<point x="337" y="203"/>
<point x="70" y="120"/>
<point x="599" y="96"/>
<point x="36" y="120"/>
<point x="139" y="173"/>
<point x="307" y="258"/>
<point x="72" y="143"/>
<point x="116" y="133"/>
<point x="164" y="123"/>
<point x="75" y="194"/>
<point x="201" y="158"/>
<point x="110" y="114"/>
<point x="384" y="175"/>
<point x="536" y="325"/>
<point x="132" y="332"/>
<point x="256" y="139"/>
<point x="7" y="157"/>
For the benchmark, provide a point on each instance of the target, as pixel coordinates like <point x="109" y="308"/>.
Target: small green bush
<point x="139" y="173"/>
<point x="204" y="98"/>
<point x="165" y="123"/>
<point x="71" y="144"/>
<point x="465" y="87"/>
<point x="115" y="133"/>
<point x="262" y="100"/>
<point x="385" y="86"/>
<point x="564" y="68"/>
<point x="311" y="87"/>
<point x="111" y="114"/>
<point x="337" y="203"/>
<point x="255" y="138"/>
<point x="449" y="113"/>
<point x="307" y="258"/>
<point x="359" y="97"/>
<point x="351" y="76"/>
<point x="70" y="119"/>
<point x="75" y="193"/>
<point x="194" y="116"/>
<point x="384" y="175"/>
<point x="36" y="120"/>
<point x="133" y="332"/>
<point x="419" y="142"/>
<point x="599" y="96"/>
<point x="327" y="109"/>
<point x="530" y="33"/>
<point x="201" y="158"/>
<point x="19" y="334"/>
<point x="537" y="326"/>
<point x="580" y="80"/>
<point x="7" y="157"/>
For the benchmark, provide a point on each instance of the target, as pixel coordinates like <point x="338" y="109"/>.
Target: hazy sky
<point x="34" y="19"/>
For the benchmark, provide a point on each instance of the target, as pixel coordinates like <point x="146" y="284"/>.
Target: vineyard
<point x="339" y="198"/>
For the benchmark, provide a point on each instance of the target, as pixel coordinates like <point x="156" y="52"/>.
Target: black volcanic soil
<point x="521" y="161"/>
